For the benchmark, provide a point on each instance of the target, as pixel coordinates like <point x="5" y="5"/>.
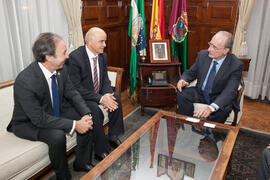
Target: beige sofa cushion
<point x="19" y="155"/>
<point x="6" y="107"/>
<point x="20" y="158"/>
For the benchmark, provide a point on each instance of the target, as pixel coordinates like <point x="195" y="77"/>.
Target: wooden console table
<point x="158" y="95"/>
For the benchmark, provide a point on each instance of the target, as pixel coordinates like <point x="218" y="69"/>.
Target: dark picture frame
<point x="160" y="51"/>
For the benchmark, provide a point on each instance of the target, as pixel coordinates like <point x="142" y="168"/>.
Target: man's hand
<point x="84" y="124"/>
<point x="109" y="102"/>
<point x="181" y="83"/>
<point x="203" y="112"/>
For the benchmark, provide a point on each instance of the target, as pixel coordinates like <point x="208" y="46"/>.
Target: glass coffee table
<point x="170" y="146"/>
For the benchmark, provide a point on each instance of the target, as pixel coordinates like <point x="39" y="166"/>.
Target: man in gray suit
<point x="218" y="74"/>
<point x="263" y="172"/>
<point x="47" y="107"/>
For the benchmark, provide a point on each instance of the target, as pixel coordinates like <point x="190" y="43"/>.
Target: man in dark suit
<point x="218" y="74"/>
<point x="263" y="172"/>
<point x="87" y="67"/>
<point x="47" y="106"/>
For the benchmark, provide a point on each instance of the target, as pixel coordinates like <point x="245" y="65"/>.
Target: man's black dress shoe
<point x="100" y="157"/>
<point x="59" y="178"/>
<point x="115" y="143"/>
<point x="86" y="167"/>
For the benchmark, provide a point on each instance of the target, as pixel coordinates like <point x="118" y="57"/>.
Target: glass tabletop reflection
<point x="171" y="148"/>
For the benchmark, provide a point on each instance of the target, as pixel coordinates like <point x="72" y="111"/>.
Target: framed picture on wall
<point x="160" y="51"/>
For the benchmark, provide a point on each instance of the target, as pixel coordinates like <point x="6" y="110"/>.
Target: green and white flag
<point x="136" y="31"/>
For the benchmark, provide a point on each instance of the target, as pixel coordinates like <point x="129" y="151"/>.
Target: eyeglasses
<point x="214" y="47"/>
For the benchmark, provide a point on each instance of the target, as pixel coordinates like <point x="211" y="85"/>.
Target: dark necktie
<point x="55" y="97"/>
<point x="209" y="83"/>
<point x="95" y="75"/>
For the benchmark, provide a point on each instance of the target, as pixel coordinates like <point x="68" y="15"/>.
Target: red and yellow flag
<point x="157" y="27"/>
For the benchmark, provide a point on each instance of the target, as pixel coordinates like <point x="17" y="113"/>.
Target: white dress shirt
<point x="91" y="56"/>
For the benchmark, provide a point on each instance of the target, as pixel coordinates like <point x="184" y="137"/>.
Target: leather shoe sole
<point x="100" y="157"/>
<point x="86" y="167"/>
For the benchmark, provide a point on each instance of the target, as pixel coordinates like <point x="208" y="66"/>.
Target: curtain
<point x="258" y="38"/>
<point x="245" y="10"/>
<point x="21" y="22"/>
<point x="73" y="11"/>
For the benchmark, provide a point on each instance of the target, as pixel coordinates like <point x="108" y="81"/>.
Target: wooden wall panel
<point x="224" y="12"/>
<point x="90" y="14"/>
<point x="113" y="47"/>
<point x="194" y="39"/>
<point x="194" y="12"/>
<point x="205" y="17"/>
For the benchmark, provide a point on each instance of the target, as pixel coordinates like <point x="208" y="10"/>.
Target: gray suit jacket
<point x="32" y="101"/>
<point x="224" y="90"/>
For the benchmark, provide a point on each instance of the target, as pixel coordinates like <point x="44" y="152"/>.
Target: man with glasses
<point x="218" y="74"/>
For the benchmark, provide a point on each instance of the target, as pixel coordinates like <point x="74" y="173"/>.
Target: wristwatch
<point x="212" y="109"/>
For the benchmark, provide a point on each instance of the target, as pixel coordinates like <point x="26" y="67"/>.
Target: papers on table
<point x="209" y="125"/>
<point x="190" y="119"/>
<point x="195" y="120"/>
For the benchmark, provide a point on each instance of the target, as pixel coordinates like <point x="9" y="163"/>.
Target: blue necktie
<point x="55" y="97"/>
<point x="209" y="83"/>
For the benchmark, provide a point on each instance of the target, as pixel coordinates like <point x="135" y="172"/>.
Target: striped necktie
<point x="96" y="84"/>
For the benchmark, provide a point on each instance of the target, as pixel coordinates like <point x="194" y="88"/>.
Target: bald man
<point x="88" y="71"/>
<point x="217" y="86"/>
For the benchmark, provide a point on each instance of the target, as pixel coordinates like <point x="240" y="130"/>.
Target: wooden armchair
<point x="115" y="76"/>
<point x="235" y="115"/>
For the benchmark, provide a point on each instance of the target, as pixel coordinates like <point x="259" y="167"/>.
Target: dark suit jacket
<point x="80" y="74"/>
<point x="32" y="101"/>
<point x="224" y="90"/>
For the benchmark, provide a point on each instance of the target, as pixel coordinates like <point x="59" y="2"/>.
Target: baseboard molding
<point x="132" y="112"/>
<point x="254" y="130"/>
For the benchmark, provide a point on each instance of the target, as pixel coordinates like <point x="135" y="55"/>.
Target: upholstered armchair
<point x="235" y="115"/>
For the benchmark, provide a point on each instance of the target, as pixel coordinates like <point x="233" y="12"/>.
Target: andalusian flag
<point x="136" y="31"/>
<point x="157" y="26"/>
<point x="178" y="28"/>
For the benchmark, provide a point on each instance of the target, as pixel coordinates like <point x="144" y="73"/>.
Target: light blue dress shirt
<point x="219" y="63"/>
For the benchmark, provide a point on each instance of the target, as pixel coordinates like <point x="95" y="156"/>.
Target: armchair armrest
<point x="115" y="76"/>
